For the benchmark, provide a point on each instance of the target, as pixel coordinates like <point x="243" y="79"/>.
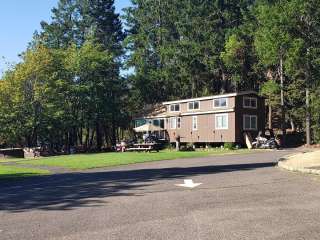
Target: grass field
<point x="87" y="161"/>
<point x="16" y="172"/>
<point x="12" y="160"/>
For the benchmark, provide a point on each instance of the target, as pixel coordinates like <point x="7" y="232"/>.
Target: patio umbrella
<point x="148" y="128"/>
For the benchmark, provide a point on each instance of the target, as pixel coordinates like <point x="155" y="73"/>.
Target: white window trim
<point x="193" y="104"/>
<point x="221" y="115"/>
<point x="227" y="103"/>
<point x="175" y="104"/>
<point x="250" y="116"/>
<point x="179" y="119"/>
<point x="193" y="119"/>
<point x="170" y="123"/>
<point x="250" y="98"/>
<point x="207" y="112"/>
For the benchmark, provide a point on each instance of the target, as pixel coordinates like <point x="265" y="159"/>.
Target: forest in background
<point x="68" y="90"/>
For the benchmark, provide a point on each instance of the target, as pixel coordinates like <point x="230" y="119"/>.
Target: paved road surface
<point x="242" y="197"/>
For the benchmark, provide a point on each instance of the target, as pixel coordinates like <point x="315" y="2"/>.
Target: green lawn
<point x="86" y="161"/>
<point x="12" y="160"/>
<point x="15" y="172"/>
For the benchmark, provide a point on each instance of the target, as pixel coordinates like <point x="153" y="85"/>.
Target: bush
<point x="168" y="146"/>
<point x="187" y="148"/>
<point x="228" y="145"/>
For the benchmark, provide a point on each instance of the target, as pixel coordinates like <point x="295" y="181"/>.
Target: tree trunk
<point x="98" y="135"/>
<point x="225" y="81"/>
<point x="80" y="135"/>
<point x="308" y="114"/>
<point x="293" y="126"/>
<point x="308" y="117"/>
<point x="91" y="139"/>
<point x="113" y="130"/>
<point x="270" y="116"/>
<point x="87" y="138"/>
<point x="283" y="116"/>
<point x="106" y="135"/>
<point x="66" y="145"/>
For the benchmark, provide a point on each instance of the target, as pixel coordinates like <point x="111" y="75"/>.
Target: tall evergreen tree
<point x="304" y="62"/>
<point x="175" y="46"/>
<point x="77" y="22"/>
<point x="66" y="26"/>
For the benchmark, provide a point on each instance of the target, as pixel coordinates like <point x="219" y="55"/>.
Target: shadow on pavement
<point x="71" y="190"/>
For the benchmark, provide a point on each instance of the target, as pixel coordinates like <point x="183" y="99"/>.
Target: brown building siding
<point x="240" y="111"/>
<point x="205" y="105"/>
<point x="206" y="131"/>
<point x="206" y="117"/>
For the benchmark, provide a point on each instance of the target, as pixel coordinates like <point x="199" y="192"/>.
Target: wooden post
<point x="178" y="143"/>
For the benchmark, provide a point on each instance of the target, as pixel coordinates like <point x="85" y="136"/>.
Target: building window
<point x="173" y="122"/>
<point x="193" y="105"/>
<point x="179" y="122"/>
<point x="194" y="123"/>
<point x="249" y="102"/>
<point x="139" y="122"/>
<point x="162" y="123"/>
<point x="250" y="122"/>
<point x="174" y="108"/>
<point x="220" y="102"/>
<point x="221" y="121"/>
<point x="158" y="122"/>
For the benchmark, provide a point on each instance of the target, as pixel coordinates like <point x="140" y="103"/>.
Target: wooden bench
<point x="139" y="149"/>
<point x="143" y="148"/>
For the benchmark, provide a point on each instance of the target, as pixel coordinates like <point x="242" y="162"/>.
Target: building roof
<point x="210" y="97"/>
<point x="151" y="111"/>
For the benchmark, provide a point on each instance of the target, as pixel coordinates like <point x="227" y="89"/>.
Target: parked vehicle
<point x="265" y="142"/>
<point x="151" y="139"/>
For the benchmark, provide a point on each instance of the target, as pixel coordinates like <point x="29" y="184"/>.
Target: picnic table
<point x="144" y="147"/>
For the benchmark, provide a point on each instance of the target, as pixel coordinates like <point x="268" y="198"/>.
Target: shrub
<point x="188" y="148"/>
<point x="228" y="145"/>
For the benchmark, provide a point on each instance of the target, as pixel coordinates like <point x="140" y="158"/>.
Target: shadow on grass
<point x="72" y="190"/>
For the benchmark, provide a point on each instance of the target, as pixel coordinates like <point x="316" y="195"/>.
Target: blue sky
<point x="18" y="21"/>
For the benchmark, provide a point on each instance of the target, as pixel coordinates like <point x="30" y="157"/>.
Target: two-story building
<point x="211" y="119"/>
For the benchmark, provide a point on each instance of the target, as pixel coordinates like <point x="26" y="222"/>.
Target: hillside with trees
<point x="68" y="90"/>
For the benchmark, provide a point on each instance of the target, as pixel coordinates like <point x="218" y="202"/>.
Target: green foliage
<point x="10" y="172"/>
<point x="234" y="51"/>
<point x="315" y="113"/>
<point x="67" y="90"/>
<point x="187" y="148"/>
<point x="271" y="90"/>
<point x="239" y="58"/>
<point x="229" y="146"/>
<point x="175" y="47"/>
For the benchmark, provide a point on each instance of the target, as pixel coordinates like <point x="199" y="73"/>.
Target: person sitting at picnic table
<point x="123" y="145"/>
